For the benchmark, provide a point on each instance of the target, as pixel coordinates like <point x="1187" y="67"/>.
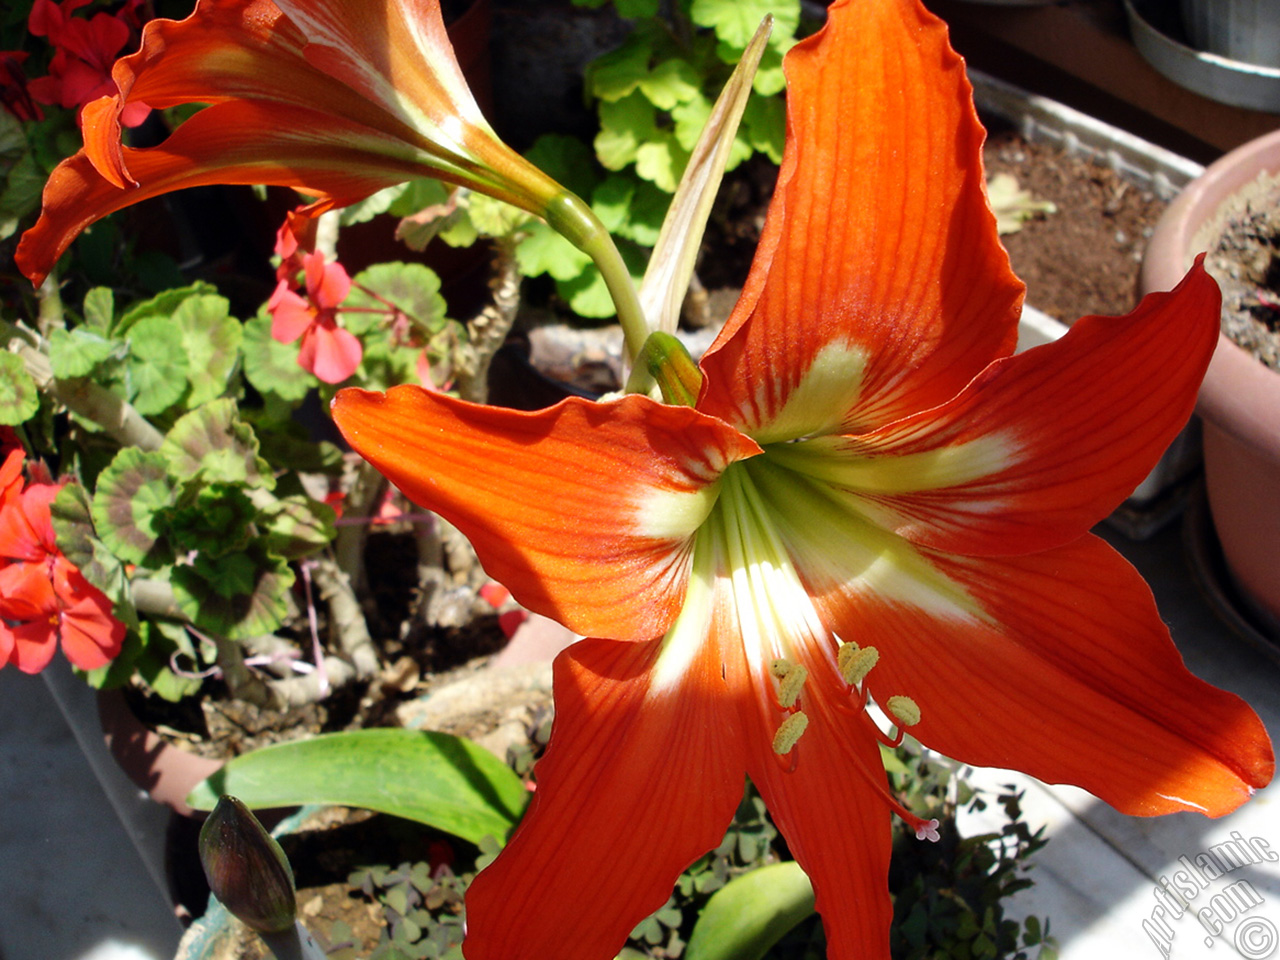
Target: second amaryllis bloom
<point x="336" y="98"/>
<point x="872" y="499"/>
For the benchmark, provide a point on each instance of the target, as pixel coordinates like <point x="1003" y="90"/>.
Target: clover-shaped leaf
<point x="270" y="366"/>
<point x="157" y="367"/>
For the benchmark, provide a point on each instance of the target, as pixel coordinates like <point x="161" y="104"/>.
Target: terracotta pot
<point x="1240" y="398"/>
<point x="166" y="772"/>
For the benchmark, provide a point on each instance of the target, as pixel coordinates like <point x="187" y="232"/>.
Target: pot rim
<point x="1239" y="395"/>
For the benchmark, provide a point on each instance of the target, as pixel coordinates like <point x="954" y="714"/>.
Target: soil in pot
<point x="1243" y="242"/>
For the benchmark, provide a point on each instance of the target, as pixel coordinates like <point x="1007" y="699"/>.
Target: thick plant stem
<point x="488" y="330"/>
<point x="366" y="490"/>
<point x="346" y="619"/>
<point x="85" y="398"/>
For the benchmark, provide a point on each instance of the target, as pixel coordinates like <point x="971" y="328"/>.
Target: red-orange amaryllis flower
<point x="871" y="498"/>
<point x="337" y="98"/>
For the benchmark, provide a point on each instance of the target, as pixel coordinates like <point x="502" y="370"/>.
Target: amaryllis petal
<point x="613" y="821"/>
<point x="836" y="825"/>
<point x="1040" y="446"/>
<point x="274" y="87"/>
<point x="584" y="511"/>
<point x="241" y="143"/>
<point x="880" y="287"/>
<point x="1071" y="678"/>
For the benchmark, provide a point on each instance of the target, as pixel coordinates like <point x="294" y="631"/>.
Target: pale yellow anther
<point x="780" y="668"/>
<point x="855" y="662"/>
<point x="904" y="710"/>
<point x="789" y="732"/>
<point x="791" y="685"/>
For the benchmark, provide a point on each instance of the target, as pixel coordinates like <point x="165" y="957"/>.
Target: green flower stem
<point x="576" y="222"/>
<point x="295" y="944"/>
<point x="87" y="399"/>
<point x="50" y="298"/>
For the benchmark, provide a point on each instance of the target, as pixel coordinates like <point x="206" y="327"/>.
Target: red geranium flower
<point x="84" y="53"/>
<point x="44" y="599"/>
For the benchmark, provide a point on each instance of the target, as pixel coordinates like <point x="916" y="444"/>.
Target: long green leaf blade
<point x="751" y="913"/>
<point x="434" y="778"/>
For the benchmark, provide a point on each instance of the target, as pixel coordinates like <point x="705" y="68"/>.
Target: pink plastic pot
<point x="1240" y="398"/>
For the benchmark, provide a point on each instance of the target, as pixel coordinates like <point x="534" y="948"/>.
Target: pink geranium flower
<point x="328" y="351"/>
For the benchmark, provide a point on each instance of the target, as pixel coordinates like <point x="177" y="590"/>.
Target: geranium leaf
<point x="669" y="83"/>
<point x="131" y="491"/>
<point x="161" y="305"/>
<point x="214" y="442"/>
<point x="77" y="539"/>
<point x="270" y="366"/>
<point x="74" y="353"/>
<point x="258" y="609"/>
<point x="99" y="309"/>
<point x="211" y="342"/>
<point x="735" y="21"/>
<point x="157" y="367"/>
<point x="19" y="396"/>
<point x="545" y="251"/>
<point x="411" y="288"/>
<point x="433" y="778"/>
<point x="624" y="126"/>
<point x="297" y="526"/>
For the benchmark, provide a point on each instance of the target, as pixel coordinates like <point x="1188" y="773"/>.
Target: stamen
<point x="904" y="710"/>
<point x="854" y="662"/>
<point x="791" y="685"/>
<point x="789" y="732"/>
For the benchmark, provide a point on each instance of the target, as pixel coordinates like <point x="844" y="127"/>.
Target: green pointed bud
<point x="247" y="870"/>
<point x="668" y="362"/>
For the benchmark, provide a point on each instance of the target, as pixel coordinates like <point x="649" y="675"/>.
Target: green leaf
<point x="735" y="21"/>
<point x="19" y="397"/>
<point x="133" y="489"/>
<point x="624" y="127"/>
<point x="297" y="526"/>
<point x="669" y="83"/>
<point x="157" y="366"/>
<point x="371" y="206"/>
<point x="619" y="73"/>
<point x="633" y="9"/>
<point x="434" y="778"/>
<point x="160" y="640"/>
<point x="77" y="539"/>
<point x="418" y="194"/>
<point x="211" y="343"/>
<point x="74" y="353"/>
<point x="23" y="183"/>
<point x="264" y="581"/>
<point x="545" y="251"/>
<point x="765" y="125"/>
<point x="662" y="161"/>
<point x="567" y="159"/>
<point x="212" y="441"/>
<point x="411" y="288"/>
<point x="271" y="366"/>
<point x="751" y="913"/>
<point x="99" y="309"/>
<point x="161" y="305"/>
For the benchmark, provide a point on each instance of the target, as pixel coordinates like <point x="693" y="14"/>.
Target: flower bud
<point x="247" y="870"/>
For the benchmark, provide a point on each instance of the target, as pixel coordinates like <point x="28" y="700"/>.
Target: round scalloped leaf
<point x="254" y="613"/>
<point x="74" y="353"/>
<point x="271" y="366"/>
<point x="158" y="368"/>
<point x="133" y="489"/>
<point x="19" y="397"/>
<point x="73" y="528"/>
<point x="413" y="288"/>
<point x="215" y="443"/>
<point x="211" y="342"/>
<point x="297" y="526"/>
